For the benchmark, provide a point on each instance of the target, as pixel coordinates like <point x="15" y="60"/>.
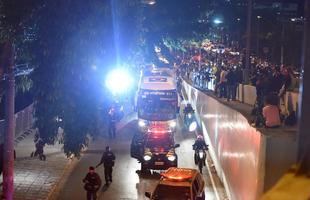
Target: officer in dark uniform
<point x="188" y="109"/>
<point x="92" y="184"/>
<point x="199" y="144"/>
<point x="112" y="123"/>
<point x="108" y="160"/>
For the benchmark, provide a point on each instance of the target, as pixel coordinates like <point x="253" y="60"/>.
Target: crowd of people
<point x="222" y="72"/>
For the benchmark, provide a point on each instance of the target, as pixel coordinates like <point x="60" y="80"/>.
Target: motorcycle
<point x="190" y="121"/>
<point x="200" y="157"/>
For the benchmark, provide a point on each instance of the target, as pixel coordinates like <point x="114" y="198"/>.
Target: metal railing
<point x="23" y="121"/>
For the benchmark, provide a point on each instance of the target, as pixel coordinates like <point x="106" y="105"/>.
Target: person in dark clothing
<point x="112" y="123"/>
<point x="108" y="160"/>
<point x="92" y="184"/>
<point x="188" y="109"/>
<point x="39" y="145"/>
<point x="276" y="82"/>
<point x="239" y="75"/>
<point x="231" y="85"/>
<point x="200" y="143"/>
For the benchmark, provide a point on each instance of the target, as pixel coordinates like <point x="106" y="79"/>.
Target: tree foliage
<point x="71" y="37"/>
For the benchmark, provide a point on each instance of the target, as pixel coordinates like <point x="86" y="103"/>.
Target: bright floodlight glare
<point x="217" y="21"/>
<point x="118" y="81"/>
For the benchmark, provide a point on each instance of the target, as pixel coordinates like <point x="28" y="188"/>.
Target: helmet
<point x="188" y="104"/>
<point x="199" y="137"/>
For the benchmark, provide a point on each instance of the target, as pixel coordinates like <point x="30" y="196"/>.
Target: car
<point x="154" y="150"/>
<point x="179" y="184"/>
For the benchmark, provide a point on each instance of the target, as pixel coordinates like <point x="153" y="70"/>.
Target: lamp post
<point x="304" y="108"/>
<point x="246" y="71"/>
<point x="257" y="34"/>
<point x="8" y="154"/>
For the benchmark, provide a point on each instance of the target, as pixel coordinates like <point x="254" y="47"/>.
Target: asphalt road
<point x="127" y="184"/>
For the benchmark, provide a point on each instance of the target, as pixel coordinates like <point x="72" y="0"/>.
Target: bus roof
<point x="158" y="83"/>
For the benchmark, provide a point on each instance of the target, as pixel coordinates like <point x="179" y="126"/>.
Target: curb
<point x="58" y="185"/>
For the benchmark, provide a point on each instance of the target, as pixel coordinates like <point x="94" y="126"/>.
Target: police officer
<point x="200" y="143"/>
<point x="112" y="123"/>
<point x="188" y="109"/>
<point x="92" y="184"/>
<point x="108" y="160"/>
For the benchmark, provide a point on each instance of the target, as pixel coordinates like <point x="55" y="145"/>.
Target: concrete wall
<point x="247" y="161"/>
<point x="235" y="146"/>
<point x="281" y="153"/>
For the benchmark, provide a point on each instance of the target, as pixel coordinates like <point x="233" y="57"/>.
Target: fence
<point x="23" y="121"/>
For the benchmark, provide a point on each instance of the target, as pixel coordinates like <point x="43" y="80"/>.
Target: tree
<point x="72" y="36"/>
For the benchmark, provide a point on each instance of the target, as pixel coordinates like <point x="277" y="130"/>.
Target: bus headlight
<point x="141" y="123"/>
<point x="172" y="124"/>
<point x="171" y="158"/>
<point x="147" y="157"/>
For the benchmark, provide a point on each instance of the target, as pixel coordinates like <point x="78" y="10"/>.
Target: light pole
<point x="304" y="108"/>
<point x="257" y="35"/>
<point x="8" y="154"/>
<point x="282" y="43"/>
<point x="246" y="71"/>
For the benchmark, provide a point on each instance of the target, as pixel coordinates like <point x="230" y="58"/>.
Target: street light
<point x="257" y="34"/>
<point x="118" y="81"/>
<point x="217" y="21"/>
<point x="149" y="2"/>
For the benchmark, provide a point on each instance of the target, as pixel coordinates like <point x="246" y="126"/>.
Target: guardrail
<point x="23" y="121"/>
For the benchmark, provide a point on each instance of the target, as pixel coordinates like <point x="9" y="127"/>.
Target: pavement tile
<point x="35" y="179"/>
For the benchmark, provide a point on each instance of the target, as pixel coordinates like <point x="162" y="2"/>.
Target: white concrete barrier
<point x="247" y="161"/>
<point x="247" y="94"/>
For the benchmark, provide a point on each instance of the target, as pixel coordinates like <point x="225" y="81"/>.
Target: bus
<point x="157" y="101"/>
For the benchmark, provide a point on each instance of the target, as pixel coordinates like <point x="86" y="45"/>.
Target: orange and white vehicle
<point x="179" y="184"/>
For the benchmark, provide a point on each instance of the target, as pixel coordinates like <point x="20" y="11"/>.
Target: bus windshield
<point x="155" y="107"/>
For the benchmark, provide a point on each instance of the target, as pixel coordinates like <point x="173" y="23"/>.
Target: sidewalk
<point x="40" y="180"/>
<point x="35" y="179"/>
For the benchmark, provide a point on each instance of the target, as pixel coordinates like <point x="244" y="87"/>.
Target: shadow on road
<point x="149" y="174"/>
